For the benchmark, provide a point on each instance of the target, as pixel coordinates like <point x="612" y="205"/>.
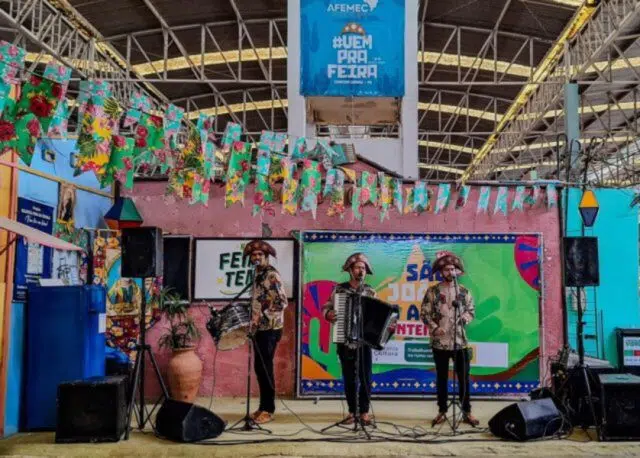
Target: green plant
<point x="182" y="331"/>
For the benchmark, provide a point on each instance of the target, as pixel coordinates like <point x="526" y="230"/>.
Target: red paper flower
<point x="128" y="163"/>
<point x="244" y="165"/>
<point x="7" y="131"/>
<point x="142" y="131"/>
<point x="156" y="121"/>
<point x="141" y="142"/>
<point x="33" y="127"/>
<point x="57" y="91"/>
<point x="40" y="106"/>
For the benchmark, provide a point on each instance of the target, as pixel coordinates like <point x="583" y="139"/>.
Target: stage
<point x="294" y="439"/>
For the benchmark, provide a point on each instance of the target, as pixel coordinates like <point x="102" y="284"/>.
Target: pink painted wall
<point x="178" y="217"/>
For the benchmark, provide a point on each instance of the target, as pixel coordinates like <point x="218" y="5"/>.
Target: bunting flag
<point x="40" y="96"/>
<point x="368" y="188"/>
<point x="20" y="135"/>
<point x="60" y="74"/>
<point x="483" y="199"/>
<point x="96" y="91"/>
<point x="238" y="173"/>
<point x="59" y="123"/>
<point x="200" y="191"/>
<point x="205" y="127"/>
<point x="518" y="200"/>
<point x="94" y="140"/>
<point x="138" y="105"/>
<point x="232" y="134"/>
<point x="324" y="153"/>
<point x="386" y="195"/>
<point x="289" y="187"/>
<point x="336" y="202"/>
<point x="356" y="203"/>
<point x="531" y="195"/>
<point x="408" y="201"/>
<point x="173" y="116"/>
<point x="263" y="196"/>
<point x="552" y="196"/>
<point x="149" y="134"/>
<point x="311" y="186"/>
<point x="444" y="192"/>
<point x="397" y="194"/>
<point x="420" y="197"/>
<point x="299" y="149"/>
<point x="11" y="62"/>
<point x="501" y="201"/>
<point x="330" y="181"/>
<point x="120" y="166"/>
<point x="463" y="197"/>
<point x="279" y="142"/>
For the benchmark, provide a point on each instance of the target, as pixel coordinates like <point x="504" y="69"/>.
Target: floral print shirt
<point x="439" y="313"/>
<point x="269" y="300"/>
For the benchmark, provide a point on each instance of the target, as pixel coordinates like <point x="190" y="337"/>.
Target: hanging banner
<point x="33" y="261"/>
<point x="502" y="273"/>
<point x="352" y="48"/>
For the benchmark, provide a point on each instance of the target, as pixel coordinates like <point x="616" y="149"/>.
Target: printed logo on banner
<point x="352" y="48"/>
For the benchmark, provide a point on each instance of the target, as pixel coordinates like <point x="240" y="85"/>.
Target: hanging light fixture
<point x="123" y="214"/>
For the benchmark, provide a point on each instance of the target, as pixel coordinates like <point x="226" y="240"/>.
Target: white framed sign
<point x="220" y="272"/>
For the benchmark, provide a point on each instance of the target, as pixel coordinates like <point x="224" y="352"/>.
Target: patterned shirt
<point x="269" y="300"/>
<point x="438" y="312"/>
<point x="346" y="288"/>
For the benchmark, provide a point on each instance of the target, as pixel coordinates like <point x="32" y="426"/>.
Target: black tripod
<point x="142" y="348"/>
<point x="355" y="337"/>
<point x="246" y="423"/>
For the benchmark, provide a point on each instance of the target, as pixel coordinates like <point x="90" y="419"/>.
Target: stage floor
<point x="294" y="439"/>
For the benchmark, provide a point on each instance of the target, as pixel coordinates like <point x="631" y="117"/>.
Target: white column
<point x="296" y="110"/>
<point x="409" y="115"/>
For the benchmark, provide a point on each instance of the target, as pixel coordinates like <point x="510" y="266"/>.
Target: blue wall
<point x="89" y="210"/>
<point x="614" y="303"/>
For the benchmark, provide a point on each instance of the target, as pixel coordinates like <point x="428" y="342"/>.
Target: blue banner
<point x="33" y="261"/>
<point x="352" y="48"/>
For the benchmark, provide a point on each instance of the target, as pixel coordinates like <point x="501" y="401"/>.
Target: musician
<point x="267" y="319"/>
<point x="357" y="265"/>
<point x="439" y="312"/>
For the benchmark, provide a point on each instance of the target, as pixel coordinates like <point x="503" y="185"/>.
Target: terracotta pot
<point x="185" y="374"/>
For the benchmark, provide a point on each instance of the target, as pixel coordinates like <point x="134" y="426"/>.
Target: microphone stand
<point x="247" y="422"/>
<point x="457" y="418"/>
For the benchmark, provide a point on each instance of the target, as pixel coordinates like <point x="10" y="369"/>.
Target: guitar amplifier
<point x="92" y="410"/>
<point x="620" y="394"/>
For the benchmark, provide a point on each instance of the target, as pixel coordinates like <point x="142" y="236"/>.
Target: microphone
<point x="256" y="263"/>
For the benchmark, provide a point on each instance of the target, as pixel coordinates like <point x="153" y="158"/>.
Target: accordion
<point x="376" y="315"/>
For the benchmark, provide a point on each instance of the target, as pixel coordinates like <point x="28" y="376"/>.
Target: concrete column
<point x="409" y="115"/>
<point x="296" y="110"/>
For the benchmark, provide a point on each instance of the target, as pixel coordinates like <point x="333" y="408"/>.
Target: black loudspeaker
<point x="142" y="252"/>
<point x="527" y="420"/>
<point x="184" y="422"/>
<point x="581" y="263"/>
<point x="177" y="265"/>
<point x="92" y="410"/>
<point x="620" y="395"/>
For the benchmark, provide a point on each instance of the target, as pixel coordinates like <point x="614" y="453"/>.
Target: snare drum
<point x="230" y="326"/>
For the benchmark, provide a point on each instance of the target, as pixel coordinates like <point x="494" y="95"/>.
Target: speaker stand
<point x="142" y="348"/>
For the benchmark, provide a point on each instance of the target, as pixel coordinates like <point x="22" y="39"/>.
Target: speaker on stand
<point x="142" y="253"/>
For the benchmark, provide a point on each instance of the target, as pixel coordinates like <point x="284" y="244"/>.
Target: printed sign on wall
<point x="352" y="48"/>
<point x="33" y="261"/>
<point x="502" y="272"/>
<point x="221" y="272"/>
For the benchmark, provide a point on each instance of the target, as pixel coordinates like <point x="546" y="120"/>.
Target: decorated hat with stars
<point x="259" y="245"/>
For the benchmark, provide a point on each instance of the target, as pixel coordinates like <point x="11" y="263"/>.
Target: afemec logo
<point x="357" y="7"/>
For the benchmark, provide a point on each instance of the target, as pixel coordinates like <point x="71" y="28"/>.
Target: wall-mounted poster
<point x="220" y="272"/>
<point x="33" y="261"/>
<point x="352" y="48"/>
<point x="502" y="272"/>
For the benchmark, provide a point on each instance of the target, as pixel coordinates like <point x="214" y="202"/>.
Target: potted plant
<point x="185" y="367"/>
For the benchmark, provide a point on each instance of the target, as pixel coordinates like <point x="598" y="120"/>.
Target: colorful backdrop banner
<point x="352" y="48"/>
<point x="502" y="273"/>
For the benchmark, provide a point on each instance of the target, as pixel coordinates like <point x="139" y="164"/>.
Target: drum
<point x="229" y="327"/>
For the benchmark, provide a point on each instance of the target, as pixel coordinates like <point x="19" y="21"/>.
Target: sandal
<point x="470" y="419"/>
<point x="255" y="414"/>
<point x="441" y="418"/>
<point x="264" y="417"/>
<point x="366" y="419"/>
<point x="348" y="420"/>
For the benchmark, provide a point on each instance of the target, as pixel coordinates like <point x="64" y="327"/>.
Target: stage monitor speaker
<point x="142" y="252"/>
<point x="184" y="422"/>
<point x="620" y="395"/>
<point x="177" y="265"/>
<point x="527" y="420"/>
<point x="92" y="410"/>
<point x="581" y="264"/>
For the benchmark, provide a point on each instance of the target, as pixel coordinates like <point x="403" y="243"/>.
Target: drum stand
<point x="247" y="423"/>
<point x="356" y="338"/>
